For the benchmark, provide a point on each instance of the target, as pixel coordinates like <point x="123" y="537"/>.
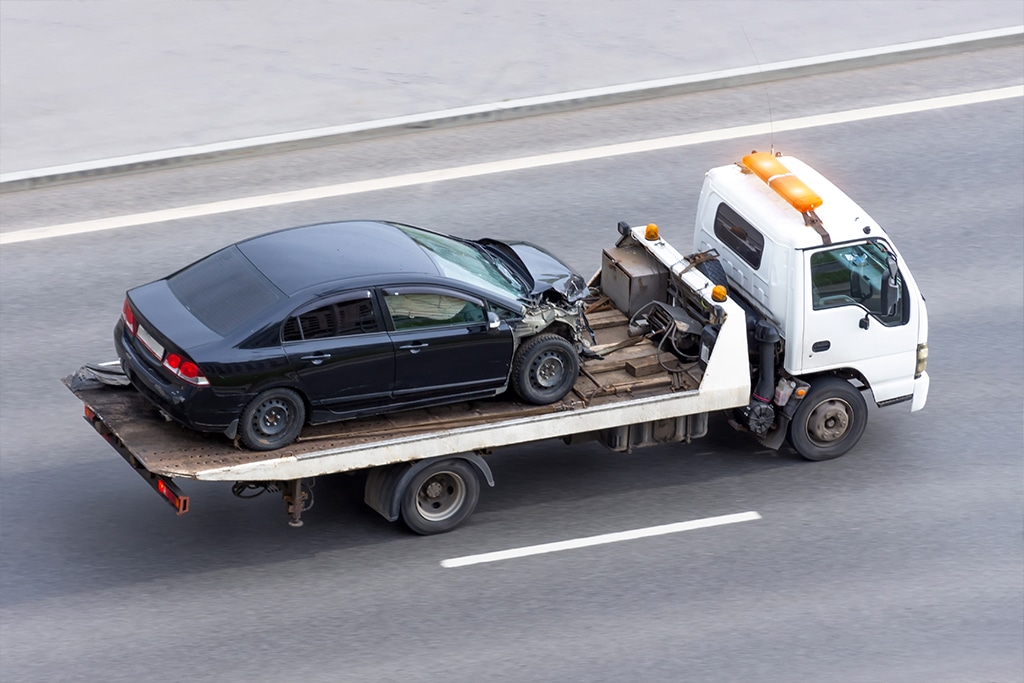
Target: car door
<point x="340" y="352"/>
<point x="444" y="344"/>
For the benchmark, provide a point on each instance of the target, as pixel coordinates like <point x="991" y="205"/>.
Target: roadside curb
<point x="519" y="108"/>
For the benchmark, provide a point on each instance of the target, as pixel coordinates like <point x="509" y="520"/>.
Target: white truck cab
<point x="801" y="254"/>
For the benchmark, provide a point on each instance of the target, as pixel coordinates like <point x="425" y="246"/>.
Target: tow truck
<point x="792" y="309"/>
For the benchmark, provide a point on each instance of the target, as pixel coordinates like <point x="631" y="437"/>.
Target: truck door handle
<point x="317" y="358"/>
<point x="819" y="346"/>
<point x="414" y="347"/>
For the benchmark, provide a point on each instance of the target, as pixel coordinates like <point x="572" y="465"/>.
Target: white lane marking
<point x="426" y="119"/>
<point x="603" y="539"/>
<point x="522" y="163"/>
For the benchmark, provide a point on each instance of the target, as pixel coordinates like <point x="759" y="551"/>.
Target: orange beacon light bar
<point x="769" y="169"/>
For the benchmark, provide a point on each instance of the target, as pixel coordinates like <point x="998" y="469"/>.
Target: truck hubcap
<point x="829" y="421"/>
<point x="441" y="496"/>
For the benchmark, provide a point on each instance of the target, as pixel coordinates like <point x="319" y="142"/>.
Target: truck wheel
<point x="440" y="497"/>
<point x="829" y="421"/>
<point x="272" y="420"/>
<point x="545" y="368"/>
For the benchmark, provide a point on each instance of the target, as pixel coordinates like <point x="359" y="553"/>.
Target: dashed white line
<point x="522" y="163"/>
<point x="603" y="539"/>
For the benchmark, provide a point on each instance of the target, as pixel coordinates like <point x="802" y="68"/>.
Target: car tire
<point x="272" y="420"/>
<point x="829" y="421"/>
<point x="545" y="369"/>
<point x="440" y="497"/>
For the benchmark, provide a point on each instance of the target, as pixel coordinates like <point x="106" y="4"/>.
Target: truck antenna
<point x="764" y="84"/>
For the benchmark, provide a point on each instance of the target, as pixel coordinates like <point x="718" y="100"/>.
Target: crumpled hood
<point x="541" y="269"/>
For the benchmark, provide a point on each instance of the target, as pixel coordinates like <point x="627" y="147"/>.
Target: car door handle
<point x="317" y="358"/>
<point x="821" y="346"/>
<point x="414" y="347"/>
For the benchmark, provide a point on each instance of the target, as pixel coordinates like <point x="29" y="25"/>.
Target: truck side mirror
<point x="890" y="288"/>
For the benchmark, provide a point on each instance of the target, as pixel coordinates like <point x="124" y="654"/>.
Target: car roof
<point x="297" y="258"/>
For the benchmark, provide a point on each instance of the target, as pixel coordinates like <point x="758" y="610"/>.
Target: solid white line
<point x="607" y="93"/>
<point x="522" y="163"/>
<point x="600" y="540"/>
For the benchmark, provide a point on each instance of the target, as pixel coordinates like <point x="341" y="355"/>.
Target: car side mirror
<point x="493" y="321"/>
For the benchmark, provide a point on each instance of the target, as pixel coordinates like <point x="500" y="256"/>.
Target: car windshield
<point x="466" y="262"/>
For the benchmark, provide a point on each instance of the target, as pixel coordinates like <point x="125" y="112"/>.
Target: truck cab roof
<point x="841" y="217"/>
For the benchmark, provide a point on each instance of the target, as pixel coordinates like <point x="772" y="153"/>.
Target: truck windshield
<point x="855" y="275"/>
<point x="466" y="262"/>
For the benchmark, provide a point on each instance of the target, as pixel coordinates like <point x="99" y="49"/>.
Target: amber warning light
<point x="769" y="169"/>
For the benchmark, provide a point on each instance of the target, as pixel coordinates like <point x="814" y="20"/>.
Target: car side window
<point x="335" y="319"/>
<point x="418" y="308"/>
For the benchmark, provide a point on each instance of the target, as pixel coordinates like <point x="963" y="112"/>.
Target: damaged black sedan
<point x="341" y="320"/>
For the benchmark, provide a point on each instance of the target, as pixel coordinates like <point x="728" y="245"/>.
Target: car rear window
<point x="224" y="290"/>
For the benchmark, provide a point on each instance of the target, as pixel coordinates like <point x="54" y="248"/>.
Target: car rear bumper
<point x="198" y="408"/>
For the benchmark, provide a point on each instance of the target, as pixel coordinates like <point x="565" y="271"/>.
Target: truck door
<point x="858" y="314"/>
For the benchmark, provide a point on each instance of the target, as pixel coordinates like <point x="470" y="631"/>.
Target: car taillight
<point x="185" y="369"/>
<point x="129" y="317"/>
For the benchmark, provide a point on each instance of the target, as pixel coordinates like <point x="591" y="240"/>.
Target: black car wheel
<point x="440" y="497"/>
<point x="272" y="420"/>
<point x="545" y="369"/>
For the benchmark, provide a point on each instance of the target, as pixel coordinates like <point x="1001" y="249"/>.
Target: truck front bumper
<point x="920" y="392"/>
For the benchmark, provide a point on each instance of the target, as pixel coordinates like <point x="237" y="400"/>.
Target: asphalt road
<point x="902" y="561"/>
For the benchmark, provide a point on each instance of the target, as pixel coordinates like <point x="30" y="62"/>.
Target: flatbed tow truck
<point x="676" y="338"/>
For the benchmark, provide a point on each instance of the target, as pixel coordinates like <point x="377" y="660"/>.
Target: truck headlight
<point x="922" y="360"/>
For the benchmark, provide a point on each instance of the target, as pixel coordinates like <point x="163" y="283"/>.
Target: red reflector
<point x="166" y="492"/>
<point x="90" y="415"/>
<point x="189" y="369"/>
<point x="173" y="360"/>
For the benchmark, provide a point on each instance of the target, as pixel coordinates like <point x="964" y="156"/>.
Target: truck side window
<point x="336" y="319"/>
<point x="739" y="235"/>
<point x="853" y="275"/>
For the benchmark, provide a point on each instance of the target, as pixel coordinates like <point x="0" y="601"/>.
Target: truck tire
<point x="829" y="421"/>
<point x="440" y="497"/>
<point x="714" y="271"/>
<point x="272" y="420"/>
<point x="544" y="369"/>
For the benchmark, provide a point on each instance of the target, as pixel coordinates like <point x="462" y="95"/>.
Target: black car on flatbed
<point x="341" y="320"/>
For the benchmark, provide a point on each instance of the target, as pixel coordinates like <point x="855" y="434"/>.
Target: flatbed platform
<point x="632" y="372"/>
